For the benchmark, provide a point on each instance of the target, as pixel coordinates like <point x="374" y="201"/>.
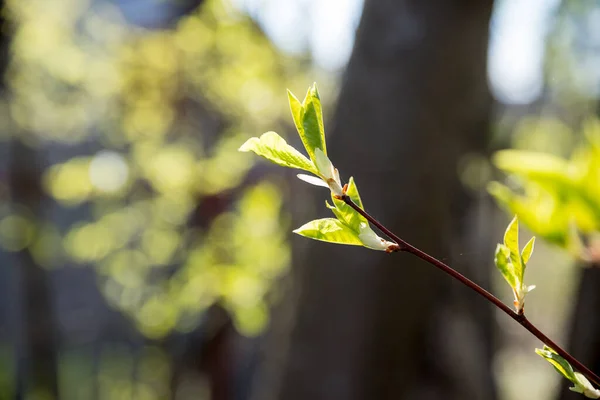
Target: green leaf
<point x="329" y="230"/>
<point x="337" y="212"/>
<point x="313" y="131"/>
<point x="346" y="213"/>
<point x="527" y="251"/>
<point x="275" y="149"/>
<point x="560" y="364"/>
<point x="511" y="241"/>
<point x="297" y="111"/>
<point x="582" y="385"/>
<point x="352" y="192"/>
<point x="505" y="266"/>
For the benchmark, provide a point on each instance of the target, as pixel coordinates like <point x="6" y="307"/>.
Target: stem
<point x="519" y="317"/>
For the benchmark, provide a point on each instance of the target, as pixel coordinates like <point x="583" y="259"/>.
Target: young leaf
<point x="313" y="180"/>
<point x="275" y="149"/>
<point x="347" y="214"/>
<point x="580" y="382"/>
<point x="329" y="230"/>
<point x="511" y="263"/>
<point x="505" y="266"/>
<point x="352" y="192"/>
<point x="338" y="213"/>
<point x="371" y="240"/>
<point x="308" y="118"/>
<point x="511" y="241"/>
<point x="585" y="387"/>
<point x="559" y="363"/>
<point x="297" y="111"/>
<point x="527" y="250"/>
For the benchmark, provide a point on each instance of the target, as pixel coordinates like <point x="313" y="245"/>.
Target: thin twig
<point x="520" y="318"/>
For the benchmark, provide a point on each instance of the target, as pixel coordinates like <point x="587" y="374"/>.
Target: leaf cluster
<point x="348" y="226"/>
<point x="512" y="263"/>
<point x="161" y="114"/>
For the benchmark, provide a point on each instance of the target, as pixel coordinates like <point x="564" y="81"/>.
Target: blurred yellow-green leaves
<point x="144" y="125"/>
<point x="557" y="198"/>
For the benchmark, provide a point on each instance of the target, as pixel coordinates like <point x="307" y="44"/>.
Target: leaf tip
<point x="292" y="96"/>
<point x="540" y="352"/>
<point x="248" y="144"/>
<point x="314" y="91"/>
<point x="514" y="221"/>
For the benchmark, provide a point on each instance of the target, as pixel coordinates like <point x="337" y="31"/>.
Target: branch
<point x="519" y="317"/>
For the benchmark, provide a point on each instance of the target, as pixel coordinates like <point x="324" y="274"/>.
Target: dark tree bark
<point x="208" y="351"/>
<point x="37" y="368"/>
<point x="36" y="348"/>
<point x="363" y="324"/>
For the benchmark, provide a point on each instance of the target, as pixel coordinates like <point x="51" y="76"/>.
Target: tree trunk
<point x="37" y="368"/>
<point x="364" y="324"/>
<point x="36" y="343"/>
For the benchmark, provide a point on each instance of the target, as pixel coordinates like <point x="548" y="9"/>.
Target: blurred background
<point x="143" y="257"/>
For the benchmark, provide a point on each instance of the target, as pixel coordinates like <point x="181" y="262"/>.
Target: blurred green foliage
<point x="164" y="112"/>
<point x="119" y="374"/>
<point x="557" y="198"/>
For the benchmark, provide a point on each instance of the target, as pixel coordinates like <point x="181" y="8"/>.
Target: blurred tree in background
<point x="414" y="99"/>
<point x="128" y="115"/>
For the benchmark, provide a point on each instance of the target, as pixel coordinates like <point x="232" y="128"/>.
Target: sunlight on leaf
<point x="275" y="149"/>
<point x="312" y="122"/>
<point x="329" y="230"/>
<point x="308" y="119"/>
<point x="511" y="263"/>
<point x="504" y="265"/>
<point x="511" y="241"/>
<point x="313" y="180"/>
<point x="560" y="364"/>
<point x="527" y="250"/>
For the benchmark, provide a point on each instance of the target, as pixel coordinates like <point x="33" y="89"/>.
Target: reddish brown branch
<point x="520" y="318"/>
